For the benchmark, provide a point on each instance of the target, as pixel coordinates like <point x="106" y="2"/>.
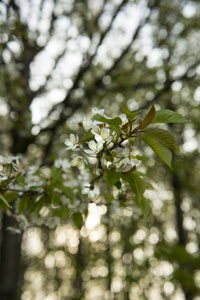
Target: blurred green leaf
<point x="140" y="185"/>
<point x="56" y="173"/>
<point x="62" y="213"/>
<point x="11" y="196"/>
<point x="78" y="219"/>
<point x="145" y="206"/>
<point x="161" y="150"/>
<point x="169" y="116"/>
<point x="130" y="115"/>
<point x="22" y="203"/>
<point x="4" y="203"/>
<point x="68" y="191"/>
<point x="118" y="185"/>
<point x="111" y="177"/>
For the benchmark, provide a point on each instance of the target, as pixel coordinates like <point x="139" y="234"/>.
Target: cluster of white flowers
<point x="79" y="177"/>
<point x="32" y="179"/>
<point x="62" y="163"/>
<point x="101" y="138"/>
<point x="51" y="222"/>
<point x="14" y="160"/>
<point x="95" y="147"/>
<point x="9" y="167"/>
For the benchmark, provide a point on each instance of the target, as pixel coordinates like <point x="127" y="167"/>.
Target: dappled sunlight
<point x="32" y="243"/>
<point x="93" y="218"/>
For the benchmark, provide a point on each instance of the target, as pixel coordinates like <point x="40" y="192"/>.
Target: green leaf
<point x="161" y="150"/>
<point x="40" y="204"/>
<point x="126" y="128"/>
<point x="148" y="118"/>
<point x="169" y="116"/>
<point x="145" y="206"/>
<point x="22" y="204"/>
<point x="114" y="123"/>
<point x="140" y="185"/>
<point x="128" y="178"/>
<point x="118" y="185"/>
<point x="165" y="137"/>
<point x="88" y="136"/>
<point x="186" y="278"/>
<point x="68" y="191"/>
<point x="54" y="197"/>
<point x="78" y="219"/>
<point x="62" y="213"/>
<point x="109" y="156"/>
<point x="137" y="184"/>
<point x="4" y="203"/>
<point x="56" y="173"/>
<point x="21" y="180"/>
<point x="141" y="174"/>
<point x="111" y="177"/>
<point x="142" y="158"/>
<point x="11" y="196"/>
<point x="130" y="115"/>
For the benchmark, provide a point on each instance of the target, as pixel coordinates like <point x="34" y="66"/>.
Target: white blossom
<point x="95" y="111"/>
<point x="14" y="230"/>
<point x="91" y="191"/>
<point x="33" y="181"/>
<point x="62" y="163"/>
<point x="75" y="119"/>
<point x="94" y="147"/>
<point x="37" y="220"/>
<point x="23" y="221"/>
<point x="104" y="135"/>
<point x="8" y="160"/>
<point x="72" y="142"/>
<point x="52" y="222"/>
<point x="132" y="159"/>
<point x="124" y="119"/>
<point x="84" y="176"/>
<point x="3" y="177"/>
<point x="100" y="134"/>
<point x="78" y="161"/>
<point x="13" y="160"/>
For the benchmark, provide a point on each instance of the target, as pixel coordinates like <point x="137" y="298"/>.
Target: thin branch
<point x="34" y="192"/>
<point x="57" y="60"/>
<point x="86" y="65"/>
<point x="83" y="69"/>
<point x="143" y="21"/>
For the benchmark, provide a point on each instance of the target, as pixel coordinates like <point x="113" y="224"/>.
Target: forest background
<point x="60" y="59"/>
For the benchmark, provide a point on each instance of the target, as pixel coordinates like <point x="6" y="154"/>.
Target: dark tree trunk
<point x="182" y="239"/>
<point x="179" y="214"/>
<point x="10" y="260"/>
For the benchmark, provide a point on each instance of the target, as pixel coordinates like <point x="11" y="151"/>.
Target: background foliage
<point x="58" y="60"/>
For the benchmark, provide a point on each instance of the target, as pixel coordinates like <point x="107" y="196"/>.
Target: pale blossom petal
<point x="92" y="191"/>
<point x="72" y="142"/>
<point x="78" y="161"/>
<point x="95" y="111"/>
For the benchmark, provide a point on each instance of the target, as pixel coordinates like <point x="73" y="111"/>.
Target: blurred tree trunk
<point x="10" y="260"/>
<point x="182" y="239"/>
<point x="11" y="273"/>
